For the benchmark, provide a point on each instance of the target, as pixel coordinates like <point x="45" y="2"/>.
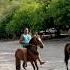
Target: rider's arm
<point x="21" y="41"/>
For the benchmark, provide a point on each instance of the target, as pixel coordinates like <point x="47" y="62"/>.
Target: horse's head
<point x="36" y="40"/>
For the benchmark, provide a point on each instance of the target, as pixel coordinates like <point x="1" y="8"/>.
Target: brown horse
<point x="30" y="53"/>
<point x="67" y="53"/>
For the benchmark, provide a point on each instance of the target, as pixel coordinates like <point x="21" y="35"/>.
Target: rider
<point x="25" y="38"/>
<point x="24" y="41"/>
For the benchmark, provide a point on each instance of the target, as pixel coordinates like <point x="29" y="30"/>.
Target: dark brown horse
<point x="67" y="53"/>
<point x="30" y="53"/>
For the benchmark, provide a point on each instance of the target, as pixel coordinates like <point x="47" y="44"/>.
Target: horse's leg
<point x="17" y="64"/>
<point x="66" y="58"/>
<point x="25" y="60"/>
<point x="24" y="65"/>
<point x="36" y="64"/>
<point x="66" y="61"/>
<point x="41" y="62"/>
<point x="33" y="65"/>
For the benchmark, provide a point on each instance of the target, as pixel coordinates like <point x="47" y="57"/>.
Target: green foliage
<point x="28" y="15"/>
<point x="60" y="11"/>
<point x="5" y="17"/>
<point x="34" y="14"/>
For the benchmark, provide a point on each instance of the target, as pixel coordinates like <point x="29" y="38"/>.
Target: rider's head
<point x="26" y="31"/>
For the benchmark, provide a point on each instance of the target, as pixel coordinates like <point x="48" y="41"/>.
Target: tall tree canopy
<point x="35" y="14"/>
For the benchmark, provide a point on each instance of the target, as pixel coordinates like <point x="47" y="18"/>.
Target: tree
<point x="60" y="11"/>
<point x="29" y="15"/>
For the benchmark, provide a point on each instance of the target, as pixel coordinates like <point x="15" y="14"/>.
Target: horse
<point x="30" y="53"/>
<point x="67" y="54"/>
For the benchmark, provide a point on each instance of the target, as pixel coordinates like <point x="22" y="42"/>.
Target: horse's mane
<point x="31" y="47"/>
<point x="33" y="40"/>
<point x="30" y="42"/>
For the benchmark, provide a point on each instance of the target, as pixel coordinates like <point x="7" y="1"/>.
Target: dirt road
<point x="52" y="54"/>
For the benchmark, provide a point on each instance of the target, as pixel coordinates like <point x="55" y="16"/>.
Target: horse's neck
<point x="33" y="46"/>
<point x="33" y="42"/>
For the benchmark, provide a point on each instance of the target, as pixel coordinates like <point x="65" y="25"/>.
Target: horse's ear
<point x="34" y="35"/>
<point x="37" y="36"/>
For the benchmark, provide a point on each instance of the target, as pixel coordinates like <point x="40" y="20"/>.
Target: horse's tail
<point x="17" y="62"/>
<point x="66" y="54"/>
<point x="66" y="46"/>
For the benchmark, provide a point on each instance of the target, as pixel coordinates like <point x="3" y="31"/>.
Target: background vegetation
<point x="34" y="14"/>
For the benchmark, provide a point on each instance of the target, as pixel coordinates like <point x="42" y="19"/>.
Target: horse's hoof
<point x="24" y="64"/>
<point x="42" y="63"/>
<point x="24" y="68"/>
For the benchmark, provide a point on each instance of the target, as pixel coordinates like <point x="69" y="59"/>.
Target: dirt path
<point x="52" y="54"/>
